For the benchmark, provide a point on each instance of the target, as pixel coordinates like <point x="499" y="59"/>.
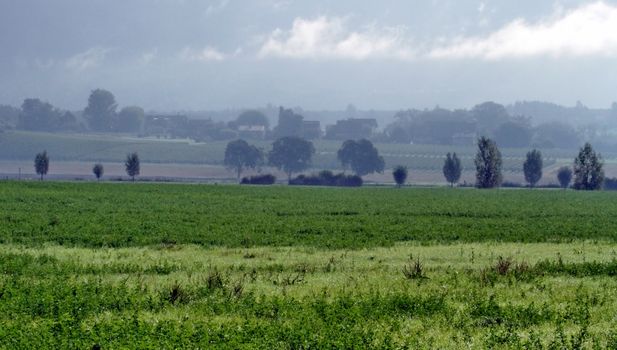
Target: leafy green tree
<point x="291" y="154"/>
<point x="253" y="117"/>
<point x="400" y="175"/>
<point x="132" y="165"/>
<point x="564" y="175"/>
<point x="101" y="110"/>
<point x="98" y="170"/>
<point x="361" y="156"/>
<point x="130" y="119"/>
<point x="555" y="134"/>
<point x="488" y="164"/>
<point x="240" y="155"/>
<point x="533" y="167"/>
<point x="41" y="164"/>
<point x="399" y="135"/>
<point x="452" y="169"/>
<point x="588" y="173"/>
<point x="38" y="115"/>
<point x="9" y="117"/>
<point x="346" y="153"/>
<point x="513" y="134"/>
<point x="489" y="116"/>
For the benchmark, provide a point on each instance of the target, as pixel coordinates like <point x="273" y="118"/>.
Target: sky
<point x="171" y="55"/>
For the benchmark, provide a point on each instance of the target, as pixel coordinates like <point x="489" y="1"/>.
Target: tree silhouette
<point x="101" y="110"/>
<point x="132" y="165"/>
<point x="41" y="164"/>
<point x="130" y="119"/>
<point x="361" y="156"/>
<point x="97" y="170"/>
<point x="533" y="167"/>
<point x="240" y="155"/>
<point x="452" y="169"/>
<point x="291" y="154"/>
<point x="488" y="164"/>
<point x="400" y="175"/>
<point x="564" y="175"/>
<point x="588" y="173"/>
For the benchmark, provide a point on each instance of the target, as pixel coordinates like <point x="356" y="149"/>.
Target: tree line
<point x="293" y="155"/>
<point x="460" y="127"/>
<point x="435" y="126"/>
<point x="131" y="166"/>
<point x="100" y="115"/>
<point x="587" y="168"/>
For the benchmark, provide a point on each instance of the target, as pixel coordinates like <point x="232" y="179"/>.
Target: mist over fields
<point x="409" y="76"/>
<point x="295" y="174"/>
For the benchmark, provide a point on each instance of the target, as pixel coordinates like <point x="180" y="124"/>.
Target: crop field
<point x="195" y="266"/>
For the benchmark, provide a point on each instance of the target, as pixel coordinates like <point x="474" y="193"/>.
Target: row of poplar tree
<point x="291" y="155"/>
<point x="587" y="168"/>
<point x="131" y="165"/>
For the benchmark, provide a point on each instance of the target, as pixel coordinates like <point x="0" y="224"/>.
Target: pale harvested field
<point x="83" y="170"/>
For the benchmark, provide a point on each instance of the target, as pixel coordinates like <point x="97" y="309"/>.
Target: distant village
<point x="253" y="124"/>
<point x="523" y="124"/>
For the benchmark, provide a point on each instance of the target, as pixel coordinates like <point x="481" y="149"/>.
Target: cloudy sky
<point x="318" y="54"/>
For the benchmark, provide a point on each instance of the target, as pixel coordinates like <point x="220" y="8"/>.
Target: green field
<point x="194" y="266"/>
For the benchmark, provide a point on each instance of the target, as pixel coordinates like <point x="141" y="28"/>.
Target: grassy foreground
<point x="551" y="295"/>
<point x="186" y="266"/>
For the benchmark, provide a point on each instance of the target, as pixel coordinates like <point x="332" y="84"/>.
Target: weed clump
<point x="502" y="267"/>
<point x="215" y="281"/>
<point x="414" y="270"/>
<point x="177" y="295"/>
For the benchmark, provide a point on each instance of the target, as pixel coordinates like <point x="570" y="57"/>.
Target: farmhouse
<point x="352" y="128"/>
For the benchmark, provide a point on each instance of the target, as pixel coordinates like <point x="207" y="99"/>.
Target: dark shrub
<point x="610" y="183"/>
<point x="349" y="180"/>
<point x="327" y="178"/>
<point x="400" y="175"/>
<point x="267" y="179"/>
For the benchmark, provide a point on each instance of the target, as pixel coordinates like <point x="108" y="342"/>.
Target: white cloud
<point x="239" y="51"/>
<point x="149" y="56"/>
<point x="280" y="4"/>
<point x="44" y="64"/>
<point x="88" y="59"/>
<point x="206" y="54"/>
<point x="216" y="8"/>
<point x="329" y="38"/>
<point x="589" y="30"/>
